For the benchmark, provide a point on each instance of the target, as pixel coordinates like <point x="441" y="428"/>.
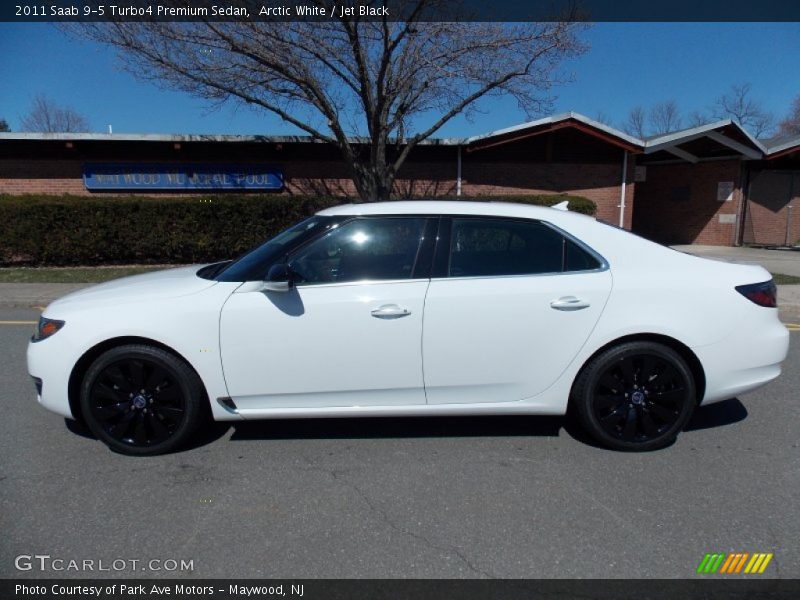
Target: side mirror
<point x="279" y="278"/>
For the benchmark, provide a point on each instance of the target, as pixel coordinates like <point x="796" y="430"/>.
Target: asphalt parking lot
<point x="466" y="497"/>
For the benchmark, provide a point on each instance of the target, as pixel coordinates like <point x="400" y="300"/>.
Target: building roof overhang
<point x="723" y="138"/>
<point x="554" y="123"/>
<point x="784" y="147"/>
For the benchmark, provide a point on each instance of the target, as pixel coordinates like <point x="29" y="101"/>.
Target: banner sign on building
<point x="143" y="177"/>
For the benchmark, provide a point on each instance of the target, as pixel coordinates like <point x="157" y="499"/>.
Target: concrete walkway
<point x="785" y="261"/>
<point x="28" y="295"/>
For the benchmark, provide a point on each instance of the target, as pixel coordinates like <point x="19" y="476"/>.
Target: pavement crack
<point x="338" y="476"/>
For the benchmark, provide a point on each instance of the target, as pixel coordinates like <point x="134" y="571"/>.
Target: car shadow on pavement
<point x="209" y="433"/>
<point x="718" y="414"/>
<point x="705" y="417"/>
<point x="397" y="427"/>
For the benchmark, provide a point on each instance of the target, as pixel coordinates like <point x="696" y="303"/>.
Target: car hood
<point x="169" y="283"/>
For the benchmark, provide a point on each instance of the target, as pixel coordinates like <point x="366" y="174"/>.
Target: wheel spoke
<point x="106" y="391"/>
<point x="159" y="429"/>
<point x="628" y="372"/>
<point x="629" y="429"/>
<point x="169" y="394"/>
<point x="169" y="414"/>
<point x="110" y="411"/>
<point x="673" y="397"/>
<point x="615" y="416"/>
<point x="120" y="428"/>
<point x="669" y="376"/>
<point x="605" y="401"/>
<point x="609" y="382"/>
<point x="156" y="377"/>
<point x="639" y="397"/>
<point x="664" y="414"/>
<point x="137" y="373"/>
<point x="139" y="433"/>
<point x="649" y="370"/>
<point x="648" y="425"/>
<point x="137" y="401"/>
<point x="115" y="375"/>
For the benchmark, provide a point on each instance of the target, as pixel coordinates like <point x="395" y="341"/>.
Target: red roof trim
<point x="569" y="123"/>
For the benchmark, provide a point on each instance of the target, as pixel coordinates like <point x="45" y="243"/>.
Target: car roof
<point x="448" y="207"/>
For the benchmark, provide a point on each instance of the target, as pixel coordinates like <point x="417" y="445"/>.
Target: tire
<point x="142" y="401"/>
<point x="636" y="396"/>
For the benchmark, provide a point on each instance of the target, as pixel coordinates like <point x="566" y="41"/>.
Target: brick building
<point x="712" y="185"/>
<point x="715" y="184"/>
<point x="772" y="212"/>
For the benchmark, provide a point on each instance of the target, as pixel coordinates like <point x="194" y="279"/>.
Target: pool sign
<point x="144" y="177"/>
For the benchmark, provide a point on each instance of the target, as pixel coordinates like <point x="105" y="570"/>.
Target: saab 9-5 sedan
<point x="421" y="308"/>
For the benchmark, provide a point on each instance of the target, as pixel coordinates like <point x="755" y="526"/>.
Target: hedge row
<point x="78" y="230"/>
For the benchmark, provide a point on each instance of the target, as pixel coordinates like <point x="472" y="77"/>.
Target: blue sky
<point x="627" y="64"/>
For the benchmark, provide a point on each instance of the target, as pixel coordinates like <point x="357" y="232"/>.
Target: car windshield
<point x="254" y="264"/>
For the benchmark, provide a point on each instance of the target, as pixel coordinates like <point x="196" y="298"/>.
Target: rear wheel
<point x="141" y="400"/>
<point x="636" y="396"/>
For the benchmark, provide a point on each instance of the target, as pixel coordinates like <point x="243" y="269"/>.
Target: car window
<point x="492" y="247"/>
<point x="362" y="249"/>
<point x="254" y="264"/>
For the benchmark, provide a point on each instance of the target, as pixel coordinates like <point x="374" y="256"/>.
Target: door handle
<point x="390" y="311"/>
<point x="569" y="303"/>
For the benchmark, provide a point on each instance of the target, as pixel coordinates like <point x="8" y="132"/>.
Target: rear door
<point x="511" y="303"/>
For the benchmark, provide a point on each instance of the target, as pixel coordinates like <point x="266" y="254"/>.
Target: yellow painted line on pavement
<point x="18" y="322"/>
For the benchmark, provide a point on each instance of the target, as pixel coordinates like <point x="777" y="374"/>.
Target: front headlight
<point x="47" y="327"/>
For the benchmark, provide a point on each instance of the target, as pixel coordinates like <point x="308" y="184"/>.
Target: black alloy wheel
<point x="636" y="396"/>
<point x="142" y="400"/>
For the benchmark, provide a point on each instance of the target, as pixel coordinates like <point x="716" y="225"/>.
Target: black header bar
<point x="398" y="10"/>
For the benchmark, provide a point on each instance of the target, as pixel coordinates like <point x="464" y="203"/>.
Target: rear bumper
<point x="747" y="359"/>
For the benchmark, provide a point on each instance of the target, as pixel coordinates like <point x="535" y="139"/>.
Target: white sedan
<point x="415" y="309"/>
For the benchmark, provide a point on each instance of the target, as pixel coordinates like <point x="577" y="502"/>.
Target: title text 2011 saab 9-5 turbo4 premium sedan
<point x="415" y="308"/>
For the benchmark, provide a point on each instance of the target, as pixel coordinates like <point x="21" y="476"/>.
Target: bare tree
<point x="46" y="116"/>
<point x="602" y="117"/>
<point x="697" y="118"/>
<point x="636" y="122"/>
<point x="393" y="84"/>
<point x="4" y="126"/>
<point x="665" y="117"/>
<point x="791" y="124"/>
<point x="738" y="104"/>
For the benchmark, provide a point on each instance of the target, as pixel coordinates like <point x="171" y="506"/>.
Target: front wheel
<point x="141" y="400"/>
<point x="635" y="396"/>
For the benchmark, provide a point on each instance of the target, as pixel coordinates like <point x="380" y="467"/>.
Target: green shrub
<point x="90" y="230"/>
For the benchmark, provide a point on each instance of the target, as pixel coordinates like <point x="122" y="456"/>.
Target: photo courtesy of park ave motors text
<point x="299" y="303"/>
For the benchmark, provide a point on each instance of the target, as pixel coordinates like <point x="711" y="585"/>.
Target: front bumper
<point x="50" y="365"/>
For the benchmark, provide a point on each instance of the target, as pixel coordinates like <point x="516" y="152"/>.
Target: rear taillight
<point x="763" y="294"/>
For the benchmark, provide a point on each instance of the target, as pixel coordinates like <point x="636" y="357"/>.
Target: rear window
<point x="493" y="247"/>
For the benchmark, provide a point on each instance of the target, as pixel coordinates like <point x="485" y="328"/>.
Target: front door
<point x="348" y="334"/>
